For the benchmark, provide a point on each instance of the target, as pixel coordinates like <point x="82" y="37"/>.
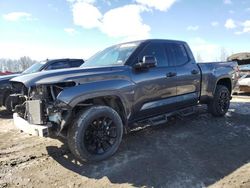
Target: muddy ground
<point x="196" y="151"/>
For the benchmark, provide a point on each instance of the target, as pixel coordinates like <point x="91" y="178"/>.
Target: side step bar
<point x="185" y="112"/>
<point x="161" y="119"/>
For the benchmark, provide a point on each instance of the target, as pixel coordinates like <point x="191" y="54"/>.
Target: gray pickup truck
<point x="118" y="89"/>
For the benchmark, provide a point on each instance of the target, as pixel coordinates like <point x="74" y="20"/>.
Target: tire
<point x="95" y="134"/>
<point x="8" y="104"/>
<point x="220" y="103"/>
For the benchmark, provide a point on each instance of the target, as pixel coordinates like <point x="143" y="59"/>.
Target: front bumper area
<point x="36" y="130"/>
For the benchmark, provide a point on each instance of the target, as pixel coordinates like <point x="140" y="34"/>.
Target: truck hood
<point x="77" y="75"/>
<point x="8" y="77"/>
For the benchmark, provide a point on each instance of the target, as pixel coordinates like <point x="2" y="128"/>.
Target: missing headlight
<point x="55" y="89"/>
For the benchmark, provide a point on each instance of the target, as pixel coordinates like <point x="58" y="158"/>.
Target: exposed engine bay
<point x="39" y="105"/>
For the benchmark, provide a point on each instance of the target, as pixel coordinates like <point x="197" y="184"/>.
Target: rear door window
<point x="176" y="54"/>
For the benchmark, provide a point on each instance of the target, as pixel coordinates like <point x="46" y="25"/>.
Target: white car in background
<point x="243" y="85"/>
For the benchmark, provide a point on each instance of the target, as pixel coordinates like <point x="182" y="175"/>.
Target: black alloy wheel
<point x="95" y="134"/>
<point x="224" y="101"/>
<point x="220" y="103"/>
<point x="100" y="135"/>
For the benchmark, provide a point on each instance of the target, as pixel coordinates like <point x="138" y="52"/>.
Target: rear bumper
<point x="36" y="130"/>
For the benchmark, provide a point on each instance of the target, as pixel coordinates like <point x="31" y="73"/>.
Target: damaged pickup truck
<point x="118" y="89"/>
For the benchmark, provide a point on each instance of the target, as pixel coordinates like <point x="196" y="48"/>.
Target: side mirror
<point x="147" y="62"/>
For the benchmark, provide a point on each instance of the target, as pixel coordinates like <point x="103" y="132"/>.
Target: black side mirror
<point x="147" y="62"/>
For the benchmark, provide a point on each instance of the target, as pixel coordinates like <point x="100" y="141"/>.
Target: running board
<point x="153" y="121"/>
<point x="186" y="112"/>
<point x="161" y="119"/>
<point x="156" y="120"/>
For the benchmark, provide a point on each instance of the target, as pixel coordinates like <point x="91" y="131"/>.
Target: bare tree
<point x="25" y="62"/>
<point x="223" y="54"/>
<point x="14" y="65"/>
<point x="198" y="57"/>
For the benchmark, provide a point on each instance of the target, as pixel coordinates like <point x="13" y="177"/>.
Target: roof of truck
<point x="152" y="40"/>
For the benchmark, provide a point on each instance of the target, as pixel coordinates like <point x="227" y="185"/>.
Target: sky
<point x="79" y="28"/>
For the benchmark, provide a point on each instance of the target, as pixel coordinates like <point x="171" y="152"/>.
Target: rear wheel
<point x="96" y="134"/>
<point x="221" y="101"/>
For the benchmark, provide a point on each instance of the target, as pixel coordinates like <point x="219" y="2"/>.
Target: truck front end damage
<point x="37" y="110"/>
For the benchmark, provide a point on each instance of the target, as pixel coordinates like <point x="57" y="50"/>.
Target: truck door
<point x="154" y="87"/>
<point x="188" y="74"/>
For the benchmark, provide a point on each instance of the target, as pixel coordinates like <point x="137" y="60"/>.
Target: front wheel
<point x="96" y="134"/>
<point x="220" y="103"/>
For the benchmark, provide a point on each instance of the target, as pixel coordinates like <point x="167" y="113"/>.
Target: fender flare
<point x="221" y="78"/>
<point x="122" y="89"/>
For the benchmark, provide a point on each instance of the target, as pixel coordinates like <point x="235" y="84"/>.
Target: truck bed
<point x="213" y="71"/>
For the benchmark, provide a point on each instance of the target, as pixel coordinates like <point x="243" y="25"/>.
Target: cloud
<point x="214" y="23"/>
<point x="245" y="29"/>
<point x="208" y="51"/>
<point x="246" y="26"/>
<point x="230" y="24"/>
<point x="227" y="2"/>
<point x="86" y="15"/>
<point x="193" y="28"/>
<point x="162" y="5"/>
<point x="124" y="21"/>
<point x="16" y="16"/>
<point x="70" y="31"/>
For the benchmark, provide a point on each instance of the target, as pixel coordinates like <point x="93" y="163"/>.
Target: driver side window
<point x="156" y="50"/>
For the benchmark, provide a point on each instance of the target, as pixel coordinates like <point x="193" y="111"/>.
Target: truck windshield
<point x="115" y="55"/>
<point x="34" y="68"/>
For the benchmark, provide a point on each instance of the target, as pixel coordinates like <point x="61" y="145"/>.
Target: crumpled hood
<point x="78" y="75"/>
<point x="8" y="77"/>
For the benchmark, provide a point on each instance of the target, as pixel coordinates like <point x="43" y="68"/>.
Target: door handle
<point x="171" y="74"/>
<point x="194" y="71"/>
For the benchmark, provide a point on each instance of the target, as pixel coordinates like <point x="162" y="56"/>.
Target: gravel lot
<point x="196" y="151"/>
